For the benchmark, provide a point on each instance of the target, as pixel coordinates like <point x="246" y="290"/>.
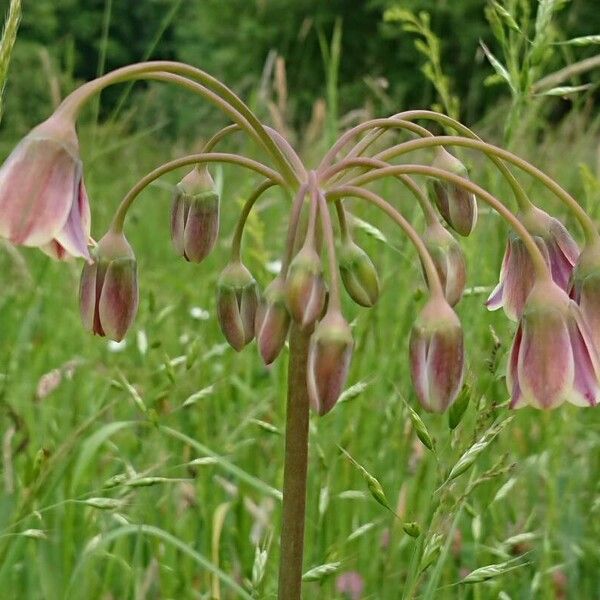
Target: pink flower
<point x="272" y="321"/>
<point x="329" y="356"/>
<point x="108" y="293"/>
<point x="449" y="261"/>
<point x="43" y="201"/>
<point x="553" y="359"/>
<point x="437" y="356"/>
<point x="350" y="585"/>
<point x="517" y="276"/>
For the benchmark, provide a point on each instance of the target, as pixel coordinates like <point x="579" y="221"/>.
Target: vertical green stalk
<point x="9" y="36"/>
<point x="295" y="468"/>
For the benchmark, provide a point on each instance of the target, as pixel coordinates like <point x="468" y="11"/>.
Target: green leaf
<point x="498" y="67"/>
<point x="586" y="40"/>
<point x="322" y="571"/>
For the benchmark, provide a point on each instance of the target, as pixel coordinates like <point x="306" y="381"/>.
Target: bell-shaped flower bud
<point x="237" y="301"/>
<point x="553" y="359"/>
<point x="457" y="205"/>
<point x="449" y="261"/>
<point x="329" y="356"/>
<point x="517" y="273"/>
<point x="108" y="293"/>
<point x="195" y="215"/>
<point x="305" y="287"/>
<point x="585" y="289"/>
<point x="272" y="321"/>
<point x="43" y="201"/>
<point x="437" y="356"/>
<point x="358" y="274"/>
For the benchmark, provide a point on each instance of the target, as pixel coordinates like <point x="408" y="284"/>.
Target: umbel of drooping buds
<point x="517" y="274"/>
<point x="329" y="355"/>
<point x="43" y="201"/>
<point x="457" y="205"/>
<point x="585" y="288"/>
<point x="553" y="359"/>
<point x="237" y="301"/>
<point x="272" y="321"/>
<point x="437" y="355"/>
<point x="449" y="260"/>
<point x="358" y="274"/>
<point x="195" y="215"/>
<point x="305" y="287"/>
<point x="108" y="293"/>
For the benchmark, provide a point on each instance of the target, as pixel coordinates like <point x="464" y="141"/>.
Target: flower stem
<point x="539" y="263"/>
<point x="433" y="278"/>
<point x="119" y="217"/>
<point x="584" y="219"/>
<point x="239" y="230"/>
<point x="80" y="96"/>
<point x="334" y="294"/>
<point x="295" y="469"/>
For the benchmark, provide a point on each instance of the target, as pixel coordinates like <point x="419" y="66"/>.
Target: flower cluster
<point x="547" y="284"/>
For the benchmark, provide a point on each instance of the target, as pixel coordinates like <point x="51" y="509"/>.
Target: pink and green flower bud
<point x="237" y="301"/>
<point x="517" y="273"/>
<point x="585" y="289"/>
<point x="437" y="356"/>
<point x="272" y="321"/>
<point x="108" y="293"/>
<point x="449" y="261"/>
<point x="457" y="205"/>
<point x="43" y="202"/>
<point x="329" y="356"/>
<point x="358" y="274"/>
<point x="305" y="287"/>
<point x="553" y="358"/>
<point x="195" y="215"/>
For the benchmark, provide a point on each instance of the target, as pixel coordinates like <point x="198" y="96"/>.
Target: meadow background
<point x="152" y="469"/>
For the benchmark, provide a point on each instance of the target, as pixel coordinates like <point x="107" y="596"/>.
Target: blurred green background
<point x="136" y="470"/>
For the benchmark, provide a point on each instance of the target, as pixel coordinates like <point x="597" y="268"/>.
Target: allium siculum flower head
<point x="43" y="201"/>
<point x="553" y="359"/>
<point x="585" y="288"/>
<point x="195" y="215"/>
<point x="449" y="261"/>
<point x="517" y="273"/>
<point x="108" y="293"/>
<point x="457" y="205"/>
<point x="329" y="356"/>
<point x="437" y="355"/>
<point x="272" y="321"/>
<point x="305" y="287"/>
<point x="358" y="274"/>
<point x="237" y="301"/>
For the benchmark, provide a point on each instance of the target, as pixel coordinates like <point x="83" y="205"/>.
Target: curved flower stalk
<point x="554" y="357"/>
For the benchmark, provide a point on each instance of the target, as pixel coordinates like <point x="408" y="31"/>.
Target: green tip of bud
<point x="359" y="275"/>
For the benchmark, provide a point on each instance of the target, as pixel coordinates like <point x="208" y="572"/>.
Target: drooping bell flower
<point x="195" y="215"/>
<point x="517" y="274"/>
<point x="43" y="202"/>
<point x="108" y="293"/>
<point x="585" y="288"/>
<point x="237" y="301"/>
<point x="329" y="356"/>
<point x="272" y="321"/>
<point x="553" y="359"/>
<point x="457" y="205"/>
<point x="437" y="355"/>
<point x="305" y="287"/>
<point x="359" y="275"/>
<point x="449" y="261"/>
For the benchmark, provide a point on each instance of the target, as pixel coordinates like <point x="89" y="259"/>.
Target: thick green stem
<point x="295" y="470"/>
<point x="119" y="218"/>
